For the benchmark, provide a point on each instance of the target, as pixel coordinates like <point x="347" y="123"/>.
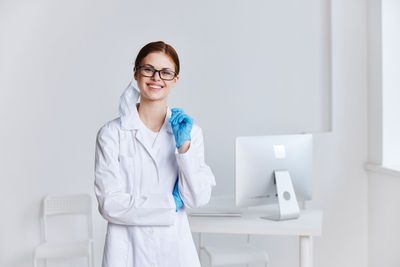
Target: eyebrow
<point x="154" y="68"/>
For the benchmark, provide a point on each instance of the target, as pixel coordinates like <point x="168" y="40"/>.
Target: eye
<point x="167" y="72"/>
<point x="148" y="69"/>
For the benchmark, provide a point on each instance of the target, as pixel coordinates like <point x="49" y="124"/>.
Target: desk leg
<point x="199" y="245"/>
<point x="306" y="251"/>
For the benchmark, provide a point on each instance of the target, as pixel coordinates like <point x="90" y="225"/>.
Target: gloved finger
<point x="177" y="117"/>
<point x="172" y="119"/>
<point x="176" y="110"/>
<point x="180" y="117"/>
<point x="173" y="116"/>
<point x="188" y="119"/>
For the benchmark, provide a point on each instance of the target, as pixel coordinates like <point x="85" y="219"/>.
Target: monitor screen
<point x="256" y="159"/>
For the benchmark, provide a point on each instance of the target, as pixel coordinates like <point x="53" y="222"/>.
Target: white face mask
<point x="128" y="101"/>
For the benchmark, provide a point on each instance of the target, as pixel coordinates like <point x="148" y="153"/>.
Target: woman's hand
<point x="184" y="147"/>
<point x="177" y="197"/>
<point x="181" y="125"/>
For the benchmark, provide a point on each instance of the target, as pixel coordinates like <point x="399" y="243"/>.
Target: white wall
<point x="57" y="89"/>
<point x="384" y="220"/>
<point x="374" y="68"/>
<point x="391" y="82"/>
<point x="383" y="182"/>
<point x="340" y="182"/>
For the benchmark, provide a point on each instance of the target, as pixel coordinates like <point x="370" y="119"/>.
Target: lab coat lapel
<point x="165" y="133"/>
<point x="134" y="123"/>
<point x="139" y="136"/>
<point x="137" y="125"/>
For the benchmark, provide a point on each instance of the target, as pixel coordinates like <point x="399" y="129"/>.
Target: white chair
<point x="227" y="255"/>
<point x="66" y="205"/>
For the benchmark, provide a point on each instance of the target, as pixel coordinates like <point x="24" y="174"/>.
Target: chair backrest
<point x="78" y="204"/>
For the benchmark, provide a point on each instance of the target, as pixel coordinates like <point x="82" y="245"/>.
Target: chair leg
<point x="199" y="246"/>
<point x="91" y="255"/>
<point x="209" y="258"/>
<point x="90" y="262"/>
<point x="248" y="242"/>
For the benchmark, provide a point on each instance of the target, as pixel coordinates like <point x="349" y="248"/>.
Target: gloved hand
<point x="177" y="197"/>
<point x="181" y="125"/>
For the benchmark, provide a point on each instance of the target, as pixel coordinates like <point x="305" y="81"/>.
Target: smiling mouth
<point x="154" y="87"/>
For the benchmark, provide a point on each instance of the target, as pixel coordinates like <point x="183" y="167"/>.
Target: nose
<point x="156" y="75"/>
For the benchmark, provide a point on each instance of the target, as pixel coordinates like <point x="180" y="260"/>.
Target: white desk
<point x="309" y="224"/>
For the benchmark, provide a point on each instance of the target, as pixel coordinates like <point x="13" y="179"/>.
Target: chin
<point x="155" y="98"/>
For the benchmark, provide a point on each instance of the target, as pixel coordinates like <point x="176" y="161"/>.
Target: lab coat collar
<point x="134" y="122"/>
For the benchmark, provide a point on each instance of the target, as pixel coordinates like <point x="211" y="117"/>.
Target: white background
<point x="64" y="65"/>
<point x="391" y="81"/>
<point x="383" y="129"/>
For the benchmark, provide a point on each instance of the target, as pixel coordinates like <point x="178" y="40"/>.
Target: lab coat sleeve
<point x="195" y="176"/>
<point x="116" y="205"/>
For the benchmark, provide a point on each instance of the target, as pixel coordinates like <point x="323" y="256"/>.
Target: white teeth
<point x="154" y="86"/>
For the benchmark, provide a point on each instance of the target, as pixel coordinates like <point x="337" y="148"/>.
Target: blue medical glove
<point x="181" y="125"/>
<point x="177" y="197"/>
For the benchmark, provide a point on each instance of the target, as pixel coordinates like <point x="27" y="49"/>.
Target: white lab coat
<point x="133" y="186"/>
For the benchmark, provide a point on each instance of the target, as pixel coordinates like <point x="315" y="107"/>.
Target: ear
<point x="176" y="79"/>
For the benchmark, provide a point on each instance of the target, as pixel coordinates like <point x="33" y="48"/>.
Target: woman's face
<point x="154" y="88"/>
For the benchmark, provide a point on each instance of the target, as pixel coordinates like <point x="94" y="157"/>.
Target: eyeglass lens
<point x="164" y="74"/>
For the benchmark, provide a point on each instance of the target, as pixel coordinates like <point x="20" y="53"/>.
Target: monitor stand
<point x="287" y="201"/>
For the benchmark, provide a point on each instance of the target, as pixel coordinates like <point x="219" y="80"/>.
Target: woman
<point x="149" y="167"/>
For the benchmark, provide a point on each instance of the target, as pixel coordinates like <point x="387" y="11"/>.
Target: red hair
<point x="159" y="46"/>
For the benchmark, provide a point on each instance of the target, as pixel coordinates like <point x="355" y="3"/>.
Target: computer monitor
<point x="267" y="166"/>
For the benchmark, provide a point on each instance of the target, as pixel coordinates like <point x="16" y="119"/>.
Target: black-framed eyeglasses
<point x="165" y="74"/>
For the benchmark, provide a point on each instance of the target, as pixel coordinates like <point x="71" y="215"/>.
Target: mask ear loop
<point x="128" y="101"/>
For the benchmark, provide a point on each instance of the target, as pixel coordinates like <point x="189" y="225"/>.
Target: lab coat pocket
<point x="149" y="175"/>
<point x="127" y="171"/>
